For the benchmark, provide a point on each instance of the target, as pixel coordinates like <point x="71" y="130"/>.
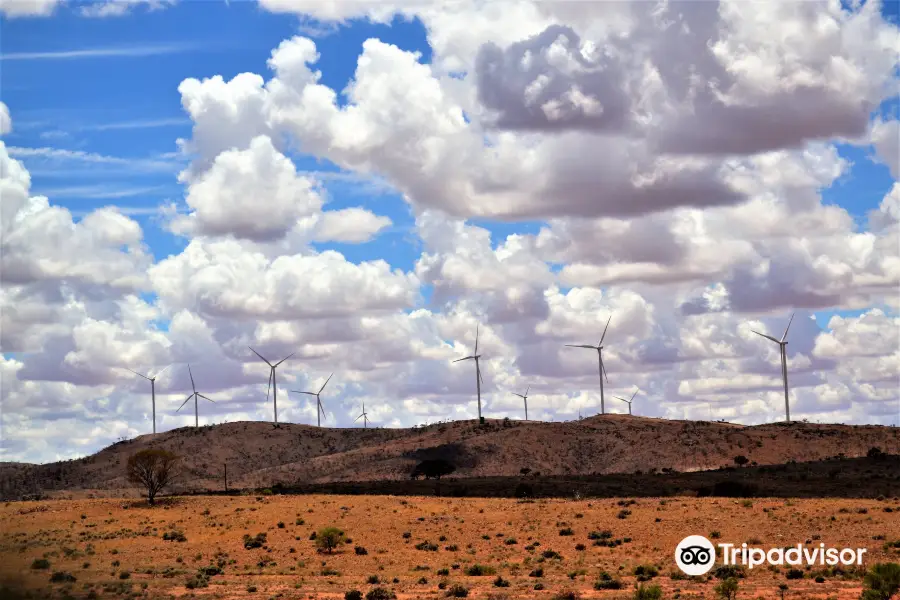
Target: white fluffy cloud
<point x="28" y="8"/>
<point x="673" y="154"/>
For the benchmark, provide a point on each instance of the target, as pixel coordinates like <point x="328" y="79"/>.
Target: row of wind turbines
<point x="782" y="344"/>
<point x="479" y="380"/>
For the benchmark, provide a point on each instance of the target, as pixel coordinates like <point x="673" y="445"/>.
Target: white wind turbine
<point x="152" y="381"/>
<point x="782" y="348"/>
<point x="195" y="395"/>
<point x="628" y="401"/>
<point x="599" y="349"/>
<point x="364" y="416"/>
<point x="478" y="379"/>
<point x="525" y="398"/>
<point x="272" y="384"/>
<point x="320" y="412"/>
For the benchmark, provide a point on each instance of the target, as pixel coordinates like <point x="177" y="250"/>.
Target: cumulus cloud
<point x="5" y="121"/>
<point x="28" y="8"/>
<point x="254" y="194"/>
<point x="223" y="278"/>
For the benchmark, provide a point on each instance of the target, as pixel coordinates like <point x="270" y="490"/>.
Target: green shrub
<point x="642" y="592"/>
<point x="40" y="563"/>
<point x="607" y="582"/>
<point x="62" y="577"/>
<point x="727" y="589"/>
<point x="457" y="591"/>
<point x="480" y="570"/>
<point x="328" y="539"/>
<point x="882" y="581"/>
<point x="257" y="541"/>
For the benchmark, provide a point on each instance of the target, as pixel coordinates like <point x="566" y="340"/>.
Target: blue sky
<point x="128" y="107"/>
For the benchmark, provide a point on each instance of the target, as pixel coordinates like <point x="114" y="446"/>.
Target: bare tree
<point x="154" y="469"/>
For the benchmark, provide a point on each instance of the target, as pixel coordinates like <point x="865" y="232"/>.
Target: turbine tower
<point x="364" y="416"/>
<point x="525" y="398"/>
<point x="628" y="401"/>
<point x="478" y="379"/>
<point x="272" y="385"/>
<point x="195" y="395"/>
<point x="599" y="349"/>
<point x="152" y="381"/>
<point x="320" y="412"/>
<point x="782" y="347"/>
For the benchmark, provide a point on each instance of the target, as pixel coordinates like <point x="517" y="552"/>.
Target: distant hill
<point x="259" y="455"/>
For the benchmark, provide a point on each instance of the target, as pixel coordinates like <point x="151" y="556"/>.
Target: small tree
<point x="782" y="588"/>
<point x="741" y="460"/>
<point x="328" y="539"/>
<point x="524" y="471"/>
<point x="153" y="469"/>
<point x="882" y="581"/>
<point x="727" y="589"/>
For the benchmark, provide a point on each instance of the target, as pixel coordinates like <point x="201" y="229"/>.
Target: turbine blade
<point x="136" y="373"/>
<point x="581" y="346"/>
<point x="299" y="392"/>
<point x="161" y="372"/>
<point x="204" y="397"/>
<point x="261" y="356"/>
<point x="326" y="383"/>
<point x="788" y="327"/>
<point x="357" y="418"/>
<point x="192" y="379"/>
<point x="619" y="398"/>
<point x="526" y="391"/>
<point x="605" y="374"/>
<point x="635" y="393"/>
<point x="768" y="337"/>
<point x="269" y="386"/>
<point x="602" y="337"/>
<point x="285" y="358"/>
<point x="185" y="402"/>
<point x="519" y="395"/>
<point x="465" y="358"/>
<point x="476" y="341"/>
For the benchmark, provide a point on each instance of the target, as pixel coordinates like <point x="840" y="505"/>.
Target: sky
<point x="367" y="184"/>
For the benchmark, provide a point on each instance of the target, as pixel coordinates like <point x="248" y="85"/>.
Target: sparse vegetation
<point x="153" y="469"/>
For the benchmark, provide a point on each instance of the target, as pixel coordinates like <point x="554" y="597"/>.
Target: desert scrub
<point x="607" y="582"/>
<point x="380" y="594"/>
<point x="172" y="536"/>
<point x="645" y="572"/>
<point x="428" y="546"/>
<point x="257" y="541"/>
<point x="457" y="591"/>
<point x="642" y="592"/>
<point x="40" y="563"/>
<point x="477" y="570"/>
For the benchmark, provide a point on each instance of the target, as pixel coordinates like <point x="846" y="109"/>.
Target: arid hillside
<point x="257" y="454"/>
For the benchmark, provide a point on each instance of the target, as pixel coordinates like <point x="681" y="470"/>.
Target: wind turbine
<point x="364" y="416"/>
<point x="599" y="349"/>
<point x="272" y="381"/>
<point x="195" y="395"/>
<point x="782" y="347"/>
<point x="320" y="413"/>
<point x="628" y="401"/>
<point x="525" y="398"/>
<point x="478" y="379"/>
<point x="152" y="381"/>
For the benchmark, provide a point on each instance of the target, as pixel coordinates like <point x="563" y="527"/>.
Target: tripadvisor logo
<point x="696" y="555"/>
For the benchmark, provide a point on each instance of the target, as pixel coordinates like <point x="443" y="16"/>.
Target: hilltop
<point x="257" y="454"/>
